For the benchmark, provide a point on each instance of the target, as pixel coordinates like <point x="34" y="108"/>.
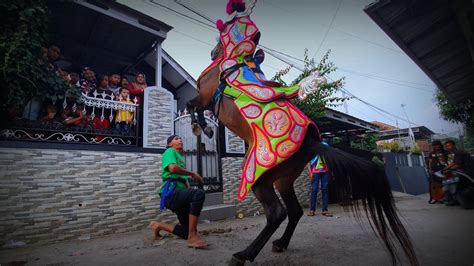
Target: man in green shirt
<point x="183" y="200"/>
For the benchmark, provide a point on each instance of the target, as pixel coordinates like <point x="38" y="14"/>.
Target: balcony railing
<point x="93" y="111"/>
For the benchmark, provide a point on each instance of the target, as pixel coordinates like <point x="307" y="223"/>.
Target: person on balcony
<point x="101" y="117"/>
<point x="137" y="88"/>
<point x="177" y="195"/>
<point x="114" y="84"/>
<point x="123" y="118"/>
<point x="88" y="82"/>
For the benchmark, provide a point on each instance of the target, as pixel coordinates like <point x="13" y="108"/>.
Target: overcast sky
<point x="376" y="70"/>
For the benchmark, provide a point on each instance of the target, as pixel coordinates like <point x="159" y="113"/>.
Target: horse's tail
<point x="356" y="179"/>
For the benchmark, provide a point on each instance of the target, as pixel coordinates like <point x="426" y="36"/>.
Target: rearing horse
<point x="282" y="140"/>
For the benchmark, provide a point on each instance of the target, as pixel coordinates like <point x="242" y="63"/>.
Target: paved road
<point x="442" y="236"/>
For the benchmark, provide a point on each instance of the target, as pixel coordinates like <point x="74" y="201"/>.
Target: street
<point x="442" y="236"/>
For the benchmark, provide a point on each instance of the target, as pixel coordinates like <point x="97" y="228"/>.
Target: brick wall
<point x="50" y="195"/>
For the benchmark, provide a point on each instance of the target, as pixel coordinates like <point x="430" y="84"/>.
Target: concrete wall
<point x="50" y="195"/>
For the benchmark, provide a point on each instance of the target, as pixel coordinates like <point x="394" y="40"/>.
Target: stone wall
<point x="158" y="119"/>
<point x="50" y="195"/>
<point x="231" y="171"/>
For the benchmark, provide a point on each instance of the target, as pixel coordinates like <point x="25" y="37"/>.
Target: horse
<point x="356" y="179"/>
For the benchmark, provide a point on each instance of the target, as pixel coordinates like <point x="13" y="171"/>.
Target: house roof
<point x="437" y="35"/>
<point x="419" y="132"/>
<point x="335" y="123"/>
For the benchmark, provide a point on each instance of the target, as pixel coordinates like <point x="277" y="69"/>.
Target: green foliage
<point x="314" y="105"/>
<point x="368" y="142"/>
<point x="415" y="149"/>
<point x="23" y="72"/>
<point x="393" y="146"/>
<point x="457" y="113"/>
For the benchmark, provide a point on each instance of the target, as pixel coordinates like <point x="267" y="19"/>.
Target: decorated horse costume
<point x="277" y="125"/>
<point x="282" y="140"/>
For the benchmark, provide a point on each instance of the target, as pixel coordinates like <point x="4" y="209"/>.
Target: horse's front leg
<point x="199" y="124"/>
<point x="275" y="213"/>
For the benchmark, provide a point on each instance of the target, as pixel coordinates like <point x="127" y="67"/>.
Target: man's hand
<point x="196" y="177"/>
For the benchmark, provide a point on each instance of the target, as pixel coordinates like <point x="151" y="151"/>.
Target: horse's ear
<point x="259" y="56"/>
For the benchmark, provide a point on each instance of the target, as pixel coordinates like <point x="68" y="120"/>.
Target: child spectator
<point x="73" y="115"/>
<point x="114" y="82"/>
<point x="124" y="119"/>
<point x="101" y="116"/>
<point x="88" y="81"/>
<point x="137" y="88"/>
<point x="74" y="78"/>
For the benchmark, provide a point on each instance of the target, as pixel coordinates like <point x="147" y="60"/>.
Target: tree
<point x="23" y="72"/>
<point x="314" y="105"/>
<point x="367" y="142"/>
<point x="456" y="112"/>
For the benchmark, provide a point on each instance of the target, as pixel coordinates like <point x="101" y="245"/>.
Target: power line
<point x="342" y="31"/>
<point x="268" y="49"/>
<point x="328" y="29"/>
<point x="278" y="57"/>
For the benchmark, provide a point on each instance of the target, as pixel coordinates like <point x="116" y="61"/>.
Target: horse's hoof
<point x="236" y="262"/>
<point x="277" y="249"/>
<point x="278" y="246"/>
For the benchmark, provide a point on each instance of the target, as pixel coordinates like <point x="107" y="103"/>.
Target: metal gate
<point x="205" y="161"/>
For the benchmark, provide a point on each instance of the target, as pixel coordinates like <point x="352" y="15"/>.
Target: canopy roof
<point x="104" y="35"/>
<point x="437" y="35"/>
<point x="335" y="124"/>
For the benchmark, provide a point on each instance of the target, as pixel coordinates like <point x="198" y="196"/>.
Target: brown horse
<point x="355" y="179"/>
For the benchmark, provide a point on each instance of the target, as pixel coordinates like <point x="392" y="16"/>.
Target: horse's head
<point x="237" y="36"/>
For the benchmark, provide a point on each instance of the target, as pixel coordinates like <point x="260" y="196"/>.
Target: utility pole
<point x="412" y="140"/>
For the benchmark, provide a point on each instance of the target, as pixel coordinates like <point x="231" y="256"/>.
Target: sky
<point x="375" y="68"/>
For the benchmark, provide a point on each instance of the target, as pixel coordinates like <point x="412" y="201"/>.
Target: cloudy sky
<point x="376" y="70"/>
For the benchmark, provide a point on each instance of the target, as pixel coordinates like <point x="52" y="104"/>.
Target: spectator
<point x="124" y="83"/>
<point x="318" y="171"/>
<point x="74" y="78"/>
<point x="101" y="118"/>
<point x="114" y="82"/>
<point x="177" y="195"/>
<point x="456" y="161"/>
<point x="123" y="118"/>
<point x="437" y="161"/>
<point x="137" y="88"/>
<point x="73" y="115"/>
<point x="88" y="81"/>
<point x="53" y="54"/>
<point x="51" y="111"/>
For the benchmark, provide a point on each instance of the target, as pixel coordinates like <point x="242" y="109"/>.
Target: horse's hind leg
<point x="295" y="212"/>
<point x="275" y="213"/>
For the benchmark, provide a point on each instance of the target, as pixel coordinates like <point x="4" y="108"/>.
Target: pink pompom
<point x="229" y="9"/>
<point x="220" y="25"/>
